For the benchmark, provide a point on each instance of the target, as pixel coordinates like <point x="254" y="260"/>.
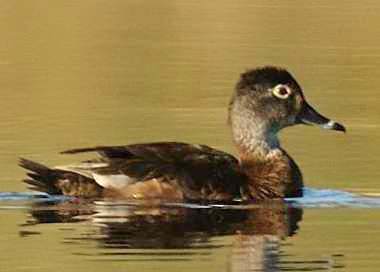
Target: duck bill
<point x="310" y="116"/>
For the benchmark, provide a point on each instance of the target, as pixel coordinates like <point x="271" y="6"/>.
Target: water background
<point x="85" y="73"/>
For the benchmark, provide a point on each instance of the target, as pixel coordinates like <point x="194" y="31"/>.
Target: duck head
<point x="266" y="100"/>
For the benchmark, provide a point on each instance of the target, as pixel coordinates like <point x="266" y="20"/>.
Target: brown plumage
<point x="157" y="170"/>
<point x="265" y="101"/>
<point x="54" y="181"/>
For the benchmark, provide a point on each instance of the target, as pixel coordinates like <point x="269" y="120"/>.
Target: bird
<point x="265" y="100"/>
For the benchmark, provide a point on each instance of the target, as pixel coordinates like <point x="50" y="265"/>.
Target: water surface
<point x="87" y="73"/>
<point x="271" y="236"/>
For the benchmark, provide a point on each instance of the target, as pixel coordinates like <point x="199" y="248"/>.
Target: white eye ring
<point x="282" y="91"/>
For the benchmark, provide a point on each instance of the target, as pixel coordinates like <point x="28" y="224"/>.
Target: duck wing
<point x="198" y="171"/>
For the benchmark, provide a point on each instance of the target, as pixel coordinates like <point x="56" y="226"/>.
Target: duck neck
<point x="255" y="141"/>
<point x="266" y="165"/>
<point x="270" y="171"/>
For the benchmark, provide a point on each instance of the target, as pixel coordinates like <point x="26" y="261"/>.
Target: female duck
<point x="265" y="101"/>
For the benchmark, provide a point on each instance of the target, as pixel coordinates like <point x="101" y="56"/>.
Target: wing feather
<point x="197" y="169"/>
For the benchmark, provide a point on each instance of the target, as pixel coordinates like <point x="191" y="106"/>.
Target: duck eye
<point x="281" y="91"/>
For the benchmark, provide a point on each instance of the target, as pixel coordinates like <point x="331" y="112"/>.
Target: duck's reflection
<point x="254" y="233"/>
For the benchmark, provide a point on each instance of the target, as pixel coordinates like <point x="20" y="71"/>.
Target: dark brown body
<point x="175" y="171"/>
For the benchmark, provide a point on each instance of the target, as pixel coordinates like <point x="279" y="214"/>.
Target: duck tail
<point x="40" y="177"/>
<point x="59" y="181"/>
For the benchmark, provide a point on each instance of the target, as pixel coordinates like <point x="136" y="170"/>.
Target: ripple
<point x="314" y="198"/>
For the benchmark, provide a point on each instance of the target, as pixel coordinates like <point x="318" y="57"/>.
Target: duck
<point x="265" y="100"/>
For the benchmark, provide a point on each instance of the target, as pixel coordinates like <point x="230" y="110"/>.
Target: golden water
<point x="84" y="73"/>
